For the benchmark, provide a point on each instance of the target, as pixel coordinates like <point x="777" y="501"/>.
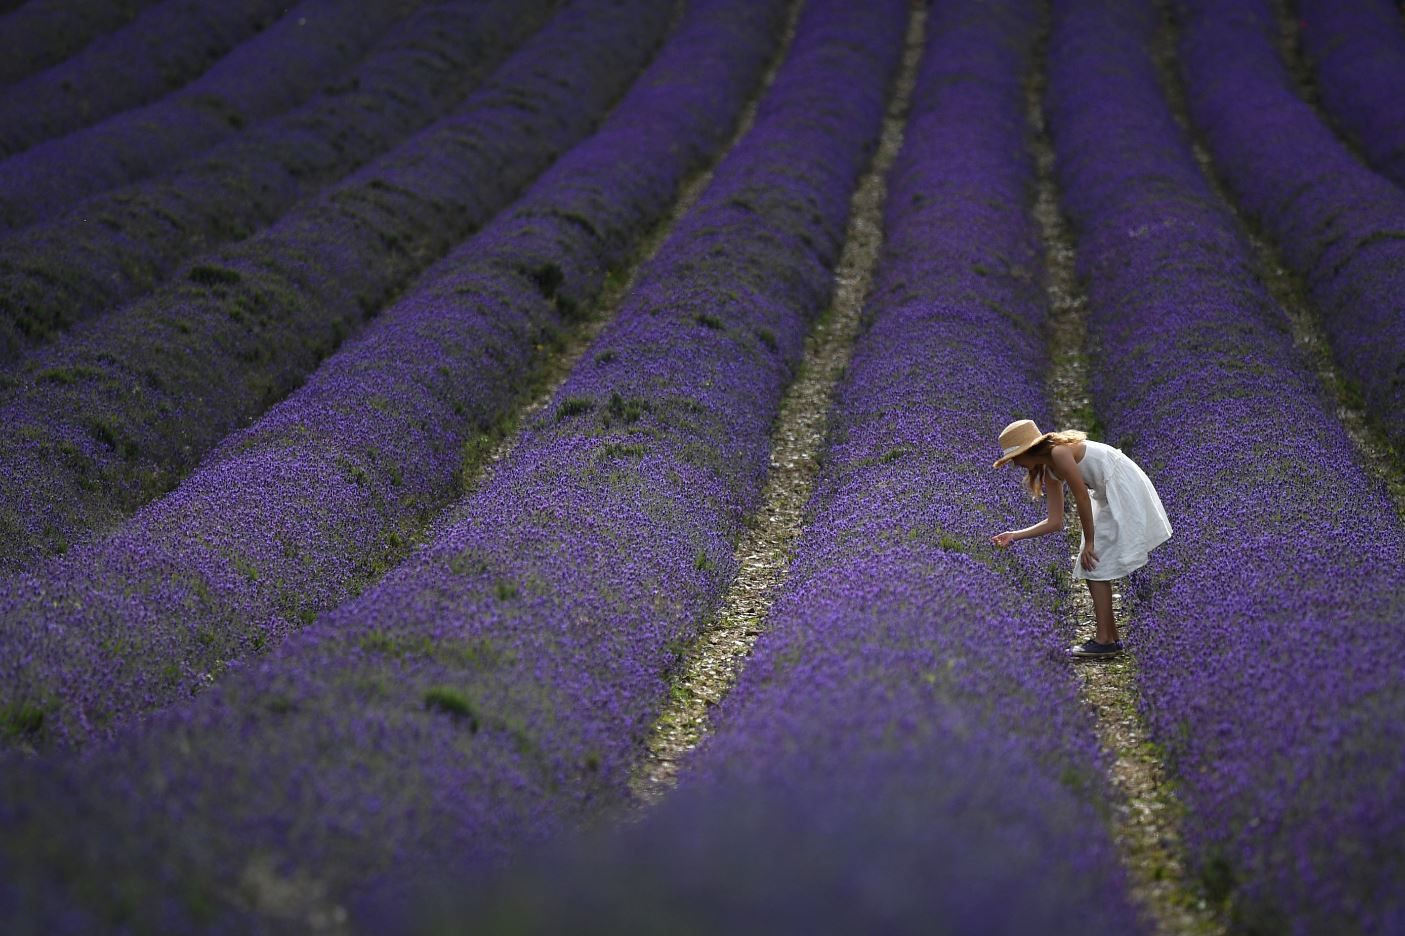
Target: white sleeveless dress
<point x="1128" y="519"/>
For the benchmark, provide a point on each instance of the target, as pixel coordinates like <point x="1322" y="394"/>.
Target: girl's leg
<point x="1102" y="608"/>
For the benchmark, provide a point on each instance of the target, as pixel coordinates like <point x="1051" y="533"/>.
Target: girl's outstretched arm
<point x="1067" y="466"/>
<point x="1054" y="494"/>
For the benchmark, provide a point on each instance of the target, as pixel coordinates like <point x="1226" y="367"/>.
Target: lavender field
<point x="523" y="466"/>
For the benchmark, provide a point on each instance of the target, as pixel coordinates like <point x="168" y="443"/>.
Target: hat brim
<point x="1021" y="450"/>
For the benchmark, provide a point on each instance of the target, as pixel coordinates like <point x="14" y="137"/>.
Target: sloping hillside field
<point x="524" y="466"/>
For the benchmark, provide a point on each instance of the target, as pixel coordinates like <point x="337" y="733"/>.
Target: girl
<point x="1121" y="514"/>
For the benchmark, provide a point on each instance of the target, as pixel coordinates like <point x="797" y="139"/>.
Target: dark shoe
<point x="1092" y="650"/>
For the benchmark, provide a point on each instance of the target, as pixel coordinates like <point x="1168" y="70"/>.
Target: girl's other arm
<point x="1068" y="467"/>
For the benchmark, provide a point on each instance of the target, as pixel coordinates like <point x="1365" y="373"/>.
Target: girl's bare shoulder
<point x="1065" y="459"/>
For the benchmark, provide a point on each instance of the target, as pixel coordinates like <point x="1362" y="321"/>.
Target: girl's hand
<point x="1003" y="540"/>
<point x="1089" y="557"/>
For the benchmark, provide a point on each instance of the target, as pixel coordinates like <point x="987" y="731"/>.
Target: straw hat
<point x="1019" y="436"/>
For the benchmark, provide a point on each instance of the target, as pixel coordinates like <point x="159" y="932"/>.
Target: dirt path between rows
<point x="1146" y="813"/>
<point x="712" y="663"/>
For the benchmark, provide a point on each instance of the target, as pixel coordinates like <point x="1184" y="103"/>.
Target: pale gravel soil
<point x="1145" y="812"/>
<point x="713" y="661"/>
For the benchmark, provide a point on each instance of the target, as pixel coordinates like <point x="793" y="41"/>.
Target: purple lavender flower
<point x="1265" y="632"/>
<point x="904" y="745"/>
<point x="100" y="423"/>
<point x="491" y="690"/>
<point x="1338" y="224"/>
<point x="112" y="248"/>
<point x="1357" y="52"/>
<point x="306" y="48"/>
<point x="165" y="46"/>
<point x="301" y="511"/>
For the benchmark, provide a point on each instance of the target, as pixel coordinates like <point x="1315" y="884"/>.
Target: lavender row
<point x="1268" y="632"/>
<point x="1339" y="225"/>
<point x="101" y="423"/>
<point x="114" y="247"/>
<point x="164" y="47"/>
<point x="301" y="511"/>
<point x="494" y="689"/>
<point x="905" y="744"/>
<point x="273" y="71"/>
<point x="40" y="33"/>
<point x="1357" y="52"/>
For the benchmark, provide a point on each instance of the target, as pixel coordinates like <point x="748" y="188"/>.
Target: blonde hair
<point x="1034" y="474"/>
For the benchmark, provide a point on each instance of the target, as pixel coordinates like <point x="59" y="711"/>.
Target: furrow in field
<point x="303" y="510"/>
<point x="1338" y="224"/>
<point x="1148" y="812"/>
<point x="1263" y="631"/>
<point x="38" y="33"/>
<point x="494" y="689"/>
<point x="163" y="48"/>
<point x="712" y="661"/>
<point x="310" y="44"/>
<point x="1357" y="56"/>
<point x="1290" y="293"/>
<point x="493" y="446"/>
<point x="114" y="247"/>
<point x="118" y="413"/>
